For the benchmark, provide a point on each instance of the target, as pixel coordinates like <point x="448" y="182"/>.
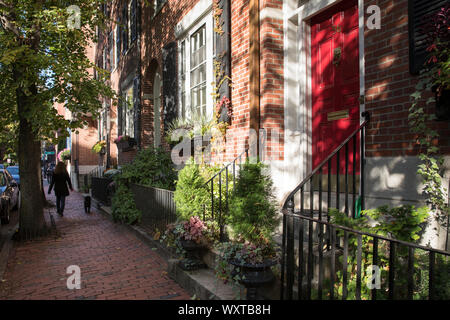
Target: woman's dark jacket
<point x="60" y="182"/>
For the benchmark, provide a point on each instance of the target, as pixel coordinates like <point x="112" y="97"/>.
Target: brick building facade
<point x="272" y="68"/>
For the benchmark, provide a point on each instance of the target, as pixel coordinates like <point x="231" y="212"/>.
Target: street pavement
<point x="114" y="263"/>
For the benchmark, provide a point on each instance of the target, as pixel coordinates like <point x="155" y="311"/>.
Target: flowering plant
<point x="64" y="155"/>
<point x="224" y="102"/>
<point x="193" y="229"/>
<point x="98" y="146"/>
<point x="121" y="138"/>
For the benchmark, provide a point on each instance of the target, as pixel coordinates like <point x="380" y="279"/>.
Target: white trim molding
<point x="202" y="8"/>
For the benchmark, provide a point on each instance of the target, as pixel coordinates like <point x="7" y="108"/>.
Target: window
<point x="196" y="70"/>
<point x="102" y="123"/>
<point x="117" y="51"/>
<point x="104" y="58"/>
<point x="124" y="29"/>
<point x="419" y="14"/>
<point x="2" y="180"/>
<point x="132" y="22"/>
<point x="111" y="51"/>
<point x="128" y="112"/>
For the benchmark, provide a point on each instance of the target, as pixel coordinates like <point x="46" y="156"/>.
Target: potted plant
<point x="99" y="147"/>
<point x="125" y="143"/>
<point x="188" y="237"/>
<point x="64" y="155"/>
<point x="253" y="218"/>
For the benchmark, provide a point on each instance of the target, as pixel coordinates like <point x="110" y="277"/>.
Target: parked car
<point x="9" y="195"/>
<point x="14" y="172"/>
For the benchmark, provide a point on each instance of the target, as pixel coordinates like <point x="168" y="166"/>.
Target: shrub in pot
<point x="188" y="238"/>
<point x="253" y="217"/>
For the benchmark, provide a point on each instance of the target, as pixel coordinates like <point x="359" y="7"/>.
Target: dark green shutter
<point x="170" y="86"/>
<point x="223" y="50"/>
<point x="419" y="13"/>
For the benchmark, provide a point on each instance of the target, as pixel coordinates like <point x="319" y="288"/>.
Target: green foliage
<point x="191" y="194"/>
<point x="253" y="211"/>
<point x="404" y="223"/>
<point x="435" y="75"/>
<point x="190" y="127"/>
<point x="123" y="205"/>
<point x="151" y="167"/>
<point x="43" y="61"/>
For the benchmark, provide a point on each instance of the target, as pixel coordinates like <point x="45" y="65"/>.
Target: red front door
<point x="335" y="80"/>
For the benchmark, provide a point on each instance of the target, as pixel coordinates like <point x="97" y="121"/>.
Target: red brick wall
<point x="272" y="80"/>
<point x="389" y="84"/>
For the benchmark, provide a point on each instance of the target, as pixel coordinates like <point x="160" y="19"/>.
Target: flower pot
<point x="125" y="145"/>
<point x="254" y="275"/>
<point x="191" y="261"/>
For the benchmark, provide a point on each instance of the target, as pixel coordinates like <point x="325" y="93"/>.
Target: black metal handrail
<point x="289" y="204"/>
<point x="315" y="241"/>
<point x="223" y="207"/>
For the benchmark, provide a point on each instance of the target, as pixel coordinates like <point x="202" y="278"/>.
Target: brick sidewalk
<point x="114" y="263"/>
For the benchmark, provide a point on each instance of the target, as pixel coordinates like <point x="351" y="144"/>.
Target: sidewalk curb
<point x="6" y="250"/>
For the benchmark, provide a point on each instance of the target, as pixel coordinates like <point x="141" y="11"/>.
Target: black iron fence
<point x="100" y="190"/>
<point x="357" y="265"/>
<point x="156" y="205"/>
<point x="220" y="192"/>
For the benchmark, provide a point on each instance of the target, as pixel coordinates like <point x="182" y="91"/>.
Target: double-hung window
<point x="124" y="29"/>
<point x="111" y="51"/>
<point x="132" y="21"/>
<point x="196" y="70"/>
<point x="128" y="112"/>
<point x="117" y="51"/>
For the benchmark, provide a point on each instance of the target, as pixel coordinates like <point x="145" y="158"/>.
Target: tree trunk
<point x="31" y="220"/>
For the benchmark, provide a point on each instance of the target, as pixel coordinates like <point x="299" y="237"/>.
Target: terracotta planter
<point x="255" y="275"/>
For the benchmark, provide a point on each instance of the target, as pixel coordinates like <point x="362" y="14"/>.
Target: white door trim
<point x="298" y="84"/>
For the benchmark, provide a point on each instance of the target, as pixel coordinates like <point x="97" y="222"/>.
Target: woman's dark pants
<point x="60" y="204"/>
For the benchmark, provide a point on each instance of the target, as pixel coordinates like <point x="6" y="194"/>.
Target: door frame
<point x="156" y="110"/>
<point x="297" y="66"/>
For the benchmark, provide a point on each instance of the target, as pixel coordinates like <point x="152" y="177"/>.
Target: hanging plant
<point x="64" y="155"/>
<point x="99" y="146"/>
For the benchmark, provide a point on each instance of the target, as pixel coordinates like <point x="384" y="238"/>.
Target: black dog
<point x="87" y="204"/>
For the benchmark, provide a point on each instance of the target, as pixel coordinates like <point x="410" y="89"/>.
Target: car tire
<point x="5" y="217"/>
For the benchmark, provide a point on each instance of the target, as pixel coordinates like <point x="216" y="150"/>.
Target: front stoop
<point x="201" y="284"/>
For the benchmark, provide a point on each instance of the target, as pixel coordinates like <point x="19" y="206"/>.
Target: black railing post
<point x="290" y="248"/>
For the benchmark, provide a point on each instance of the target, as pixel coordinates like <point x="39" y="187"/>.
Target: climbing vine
<point x="220" y="127"/>
<point x="435" y="76"/>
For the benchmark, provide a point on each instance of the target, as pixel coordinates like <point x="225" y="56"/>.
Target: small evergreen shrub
<point x="191" y="193"/>
<point x="123" y="206"/>
<point x="253" y="214"/>
<point x="152" y="167"/>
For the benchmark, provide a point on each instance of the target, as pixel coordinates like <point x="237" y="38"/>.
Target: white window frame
<point x="127" y="130"/>
<point x="116" y="48"/>
<point x="207" y="20"/>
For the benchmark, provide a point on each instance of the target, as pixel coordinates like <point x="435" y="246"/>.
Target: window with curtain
<point x="128" y="113"/>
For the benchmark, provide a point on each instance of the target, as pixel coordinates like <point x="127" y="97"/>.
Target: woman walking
<point x="60" y="180"/>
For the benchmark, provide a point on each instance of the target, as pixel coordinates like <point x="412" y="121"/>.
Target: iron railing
<point x="334" y="162"/>
<point x="219" y="204"/>
<point x="100" y="190"/>
<point x="156" y="205"/>
<point x="410" y="270"/>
